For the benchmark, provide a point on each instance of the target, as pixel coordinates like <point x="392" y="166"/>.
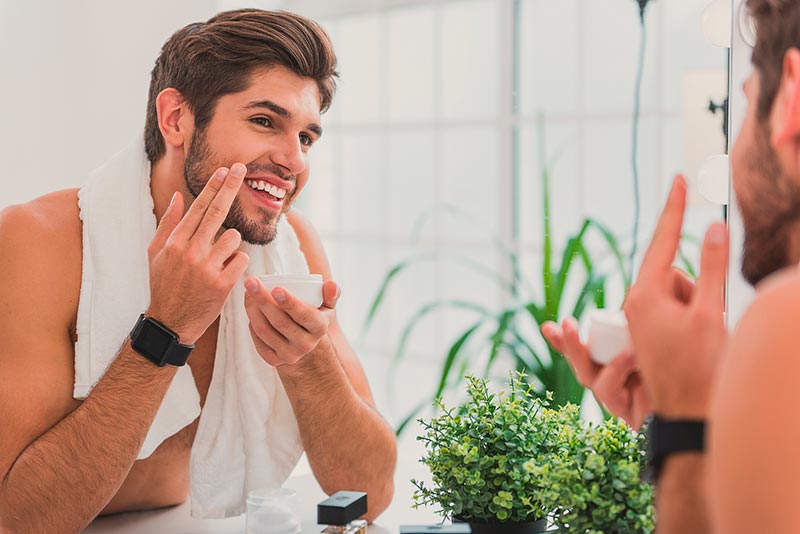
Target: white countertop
<point x="177" y="520"/>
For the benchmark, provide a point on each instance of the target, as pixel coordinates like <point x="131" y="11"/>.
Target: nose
<point x="289" y="155"/>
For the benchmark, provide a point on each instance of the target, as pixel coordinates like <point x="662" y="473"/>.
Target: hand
<point x="191" y="273"/>
<point x="617" y="385"/>
<point x="678" y="340"/>
<point x="284" y="328"/>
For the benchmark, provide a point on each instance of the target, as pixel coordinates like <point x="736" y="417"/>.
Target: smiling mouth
<point x="271" y="191"/>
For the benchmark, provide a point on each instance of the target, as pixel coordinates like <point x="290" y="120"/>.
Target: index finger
<point x="667" y="236"/>
<point x="577" y="354"/>
<point x="189" y="223"/>
<point x="220" y="205"/>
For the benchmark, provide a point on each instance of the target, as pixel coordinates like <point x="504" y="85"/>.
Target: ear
<point x="785" y="117"/>
<point x="174" y="117"/>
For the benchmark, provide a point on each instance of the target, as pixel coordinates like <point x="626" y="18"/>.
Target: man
<point x="747" y="479"/>
<point x="233" y="101"/>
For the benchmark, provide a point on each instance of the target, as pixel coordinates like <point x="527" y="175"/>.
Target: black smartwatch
<point x="158" y="343"/>
<point x="670" y="436"/>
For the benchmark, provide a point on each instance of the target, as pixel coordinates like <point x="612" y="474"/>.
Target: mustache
<point x="271" y="169"/>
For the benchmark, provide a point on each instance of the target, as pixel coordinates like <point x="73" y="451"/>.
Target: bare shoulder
<point x="50" y="224"/>
<point x="310" y="243"/>
<point x="764" y="343"/>
<point x="41" y="250"/>
<point x="755" y="411"/>
<point x="771" y="319"/>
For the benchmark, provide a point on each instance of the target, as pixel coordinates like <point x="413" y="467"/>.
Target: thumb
<point x="713" y="268"/>
<point x="330" y="294"/>
<point x="168" y="221"/>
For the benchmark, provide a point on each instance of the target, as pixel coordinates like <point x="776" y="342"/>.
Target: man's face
<point x="269" y="127"/>
<point x="769" y="200"/>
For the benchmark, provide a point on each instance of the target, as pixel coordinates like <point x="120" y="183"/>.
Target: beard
<point x="769" y="217"/>
<point x="198" y="167"/>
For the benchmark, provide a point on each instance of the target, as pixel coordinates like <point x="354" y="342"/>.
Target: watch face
<point x="153" y="342"/>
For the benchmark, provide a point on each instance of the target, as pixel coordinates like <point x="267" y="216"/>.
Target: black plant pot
<point x="534" y="527"/>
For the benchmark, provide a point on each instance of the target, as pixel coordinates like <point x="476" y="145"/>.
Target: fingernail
<point x="279" y="295"/>
<point x="717" y="234"/>
<point x="238" y="170"/>
<point x="172" y="200"/>
<point x="222" y="173"/>
<point x="251" y="285"/>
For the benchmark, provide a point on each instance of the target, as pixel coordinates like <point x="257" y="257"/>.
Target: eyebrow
<point x="282" y="112"/>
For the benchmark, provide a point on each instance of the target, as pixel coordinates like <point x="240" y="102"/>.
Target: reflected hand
<point x="618" y="385"/>
<point x="679" y="336"/>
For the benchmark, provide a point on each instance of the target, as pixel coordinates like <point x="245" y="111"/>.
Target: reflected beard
<point x="771" y="216"/>
<point x="197" y="170"/>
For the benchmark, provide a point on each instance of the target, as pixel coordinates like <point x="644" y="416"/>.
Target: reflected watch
<point x="671" y="436"/>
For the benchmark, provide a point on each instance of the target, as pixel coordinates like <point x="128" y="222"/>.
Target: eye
<point x="306" y="140"/>
<point x="262" y="121"/>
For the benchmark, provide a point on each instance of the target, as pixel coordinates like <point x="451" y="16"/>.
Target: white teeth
<point x="273" y="190"/>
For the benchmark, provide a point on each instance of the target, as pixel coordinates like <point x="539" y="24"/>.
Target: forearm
<point x="681" y="505"/>
<point x="349" y="445"/>
<point x="65" y="478"/>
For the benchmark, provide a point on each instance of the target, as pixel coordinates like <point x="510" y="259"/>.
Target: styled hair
<point x="777" y="31"/>
<point x="207" y="60"/>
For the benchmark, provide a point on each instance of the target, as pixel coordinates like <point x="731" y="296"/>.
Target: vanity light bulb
<point x="717" y="21"/>
<point x="747" y="26"/>
<point x="713" y="180"/>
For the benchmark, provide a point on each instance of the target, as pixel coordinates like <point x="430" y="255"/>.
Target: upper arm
<point x="37" y="304"/>
<point x="754" y="465"/>
<point x="317" y="260"/>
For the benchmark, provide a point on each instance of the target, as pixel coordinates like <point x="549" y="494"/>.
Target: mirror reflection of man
<point x="686" y="367"/>
<point x="233" y="114"/>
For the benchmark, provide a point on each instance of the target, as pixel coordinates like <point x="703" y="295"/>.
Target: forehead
<point x="300" y="96"/>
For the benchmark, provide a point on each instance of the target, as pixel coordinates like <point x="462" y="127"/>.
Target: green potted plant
<point x="508" y="462"/>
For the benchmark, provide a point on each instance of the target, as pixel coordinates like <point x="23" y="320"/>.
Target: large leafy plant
<point x="512" y="457"/>
<point x="505" y="334"/>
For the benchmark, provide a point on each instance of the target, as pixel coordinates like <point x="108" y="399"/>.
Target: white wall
<point x="74" y="84"/>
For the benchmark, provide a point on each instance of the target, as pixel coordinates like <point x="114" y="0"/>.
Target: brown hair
<point x="207" y="60"/>
<point x="777" y="31"/>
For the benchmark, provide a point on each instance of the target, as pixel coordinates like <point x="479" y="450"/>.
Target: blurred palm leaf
<point x="511" y="335"/>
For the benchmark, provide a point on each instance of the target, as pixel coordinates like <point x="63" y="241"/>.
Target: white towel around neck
<point x="247" y="436"/>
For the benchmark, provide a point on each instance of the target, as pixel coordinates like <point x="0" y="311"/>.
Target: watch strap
<point x="671" y="436"/>
<point x="177" y="354"/>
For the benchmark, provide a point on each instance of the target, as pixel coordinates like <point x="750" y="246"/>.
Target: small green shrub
<point x="510" y="457"/>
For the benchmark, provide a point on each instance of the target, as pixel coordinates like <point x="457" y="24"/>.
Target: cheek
<point x="736" y="165"/>
<point x="739" y="159"/>
<point x="302" y="179"/>
<point x="232" y="145"/>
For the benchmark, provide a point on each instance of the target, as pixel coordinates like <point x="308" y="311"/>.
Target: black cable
<point x="637" y="105"/>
